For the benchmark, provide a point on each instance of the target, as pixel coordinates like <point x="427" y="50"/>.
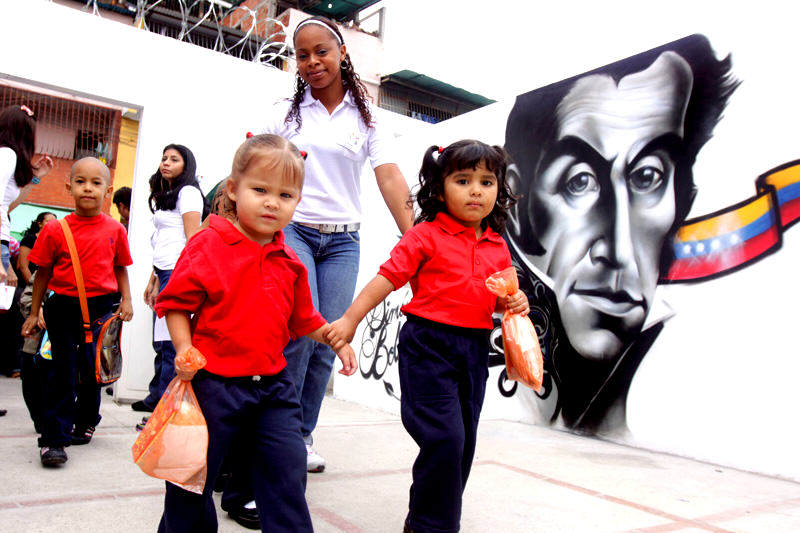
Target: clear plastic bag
<point x="520" y="341"/>
<point x="174" y="443"/>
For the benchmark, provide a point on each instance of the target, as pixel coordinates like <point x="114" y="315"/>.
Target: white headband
<point x="318" y="23"/>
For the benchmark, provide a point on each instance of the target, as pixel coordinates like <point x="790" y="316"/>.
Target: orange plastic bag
<point x="520" y="341"/>
<point x="174" y="442"/>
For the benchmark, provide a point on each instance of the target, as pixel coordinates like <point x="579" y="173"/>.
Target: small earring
<point x="344" y="64"/>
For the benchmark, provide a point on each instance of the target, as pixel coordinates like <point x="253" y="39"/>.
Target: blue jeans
<point x="165" y="355"/>
<point x="5" y="256"/>
<point x="332" y="263"/>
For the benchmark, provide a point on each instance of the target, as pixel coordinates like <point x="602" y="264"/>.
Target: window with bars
<point x="66" y="128"/>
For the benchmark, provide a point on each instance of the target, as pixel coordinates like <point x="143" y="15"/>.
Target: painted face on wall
<point x="606" y="189"/>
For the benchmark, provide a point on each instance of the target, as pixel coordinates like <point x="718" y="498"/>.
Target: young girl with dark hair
<point x="443" y="347"/>
<point x="177" y="205"/>
<point x="18" y="174"/>
<point x="330" y="117"/>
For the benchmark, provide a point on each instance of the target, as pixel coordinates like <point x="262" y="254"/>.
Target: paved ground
<point x="524" y="479"/>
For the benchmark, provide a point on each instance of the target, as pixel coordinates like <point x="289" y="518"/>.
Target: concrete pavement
<point x="525" y="479"/>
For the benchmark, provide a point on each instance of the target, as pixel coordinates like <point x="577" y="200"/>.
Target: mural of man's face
<point x="606" y="189"/>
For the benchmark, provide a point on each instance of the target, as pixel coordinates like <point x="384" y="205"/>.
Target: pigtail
<point x="431" y="186"/>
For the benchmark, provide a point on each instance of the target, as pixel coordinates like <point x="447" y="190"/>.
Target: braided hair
<point x="350" y="80"/>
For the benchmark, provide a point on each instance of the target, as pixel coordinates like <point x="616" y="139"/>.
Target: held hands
<point x="340" y="333"/>
<point x="33" y="324"/>
<point x="517" y="303"/>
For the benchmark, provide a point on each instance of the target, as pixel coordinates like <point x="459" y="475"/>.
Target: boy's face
<point x="265" y="200"/>
<point x="89" y="185"/>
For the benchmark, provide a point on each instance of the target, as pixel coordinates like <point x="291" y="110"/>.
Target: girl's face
<point x="45" y="220"/>
<point x="171" y="164"/>
<point x="319" y="56"/>
<point x="470" y="194"/>
<point x="265" y="200"/>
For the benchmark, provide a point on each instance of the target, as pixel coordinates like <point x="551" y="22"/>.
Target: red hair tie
<point x="441" y="149"/>
<point x="248" y="134"/>
<point x="303" y="154"/>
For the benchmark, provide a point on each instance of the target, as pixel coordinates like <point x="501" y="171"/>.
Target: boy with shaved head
<point x="72" y="396"/>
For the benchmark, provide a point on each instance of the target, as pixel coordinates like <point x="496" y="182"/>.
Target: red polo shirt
<point x="447" y="267"/>
<point x="102" y="244"/>
<point x="247" y="300"/>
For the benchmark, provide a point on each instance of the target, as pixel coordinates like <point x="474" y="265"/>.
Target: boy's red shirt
<point x="447" y="267"/>
<point x="247" y="300"/>
<point x="102" y="244"/>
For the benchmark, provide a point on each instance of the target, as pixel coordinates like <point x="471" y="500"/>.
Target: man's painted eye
<point x="581" y="183"/>
<point x="647" y="176"/>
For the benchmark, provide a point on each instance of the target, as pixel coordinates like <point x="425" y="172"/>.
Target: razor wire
<point x="263" y="32"/>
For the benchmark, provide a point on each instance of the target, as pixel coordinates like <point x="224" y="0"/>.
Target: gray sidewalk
<point x="524" y="479"/>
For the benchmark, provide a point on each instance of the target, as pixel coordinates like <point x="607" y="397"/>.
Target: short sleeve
<point x="190" y="199"/>
<point x="28" y="241"/>
<point x="43" y="252"/>
<point x="381" y="142"/>
<point x="184" y="292"/>
<point x="8" y="166"/>
<point x="122" y="255"/>
<point x="405" y="260"/>
<point x="304" y="318"/>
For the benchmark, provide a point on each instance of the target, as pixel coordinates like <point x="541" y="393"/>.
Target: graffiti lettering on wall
<point x="378" y="347"/>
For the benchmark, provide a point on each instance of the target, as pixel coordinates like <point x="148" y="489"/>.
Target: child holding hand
<point x="248" y="294"/>
<point x="444" y="344"/>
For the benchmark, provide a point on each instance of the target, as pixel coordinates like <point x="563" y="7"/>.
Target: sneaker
<point x="53" y="456"/>
<point x="140" y="426"/>
<point x="315" y="462"/>
<point x="82" y="435"/>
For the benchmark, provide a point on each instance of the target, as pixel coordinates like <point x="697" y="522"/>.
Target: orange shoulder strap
<point x="76" y="267"/>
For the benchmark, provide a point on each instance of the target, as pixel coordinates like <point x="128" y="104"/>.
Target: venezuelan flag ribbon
<point x="719" y="243"/>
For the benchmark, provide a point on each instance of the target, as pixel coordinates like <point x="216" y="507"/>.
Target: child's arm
<point x="342" y="331"/>
<point x="125" y="304"/>
<point x="39" y="288"/>
<point x="516" y="303"/>
<point x="180" y="331"/>
<point x="344" y="351"/>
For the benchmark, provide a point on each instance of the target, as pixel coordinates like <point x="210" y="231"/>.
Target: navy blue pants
<point x="164" y="363"/>
<point x="264" y="418"/>
<point x="443" y="371"/>
<point x="71" y="393"/>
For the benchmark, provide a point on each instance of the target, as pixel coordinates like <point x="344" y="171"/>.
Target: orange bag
<point x="520" y="341"/>
<point x="174" y="442"/>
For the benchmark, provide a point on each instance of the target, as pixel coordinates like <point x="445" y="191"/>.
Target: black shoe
<point x="141" y="406"/>
<point x="246" y="517"/>
<point x="82" y="435"/>
<point x="3" y="412"/>
<point x="222" y="480"/>
<point x="53" y="456"/>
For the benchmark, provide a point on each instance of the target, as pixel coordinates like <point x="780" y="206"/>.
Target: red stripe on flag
<point x="790" y="211"/>
<point x="695" y="268"/>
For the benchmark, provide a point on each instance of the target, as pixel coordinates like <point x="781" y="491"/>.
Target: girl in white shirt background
<point x="177" y="205"/>
<point x="18" y="174"/>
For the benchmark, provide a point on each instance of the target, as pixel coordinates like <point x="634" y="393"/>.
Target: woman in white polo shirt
<point x="177" y="206"/>
<point x="331" y="118"/>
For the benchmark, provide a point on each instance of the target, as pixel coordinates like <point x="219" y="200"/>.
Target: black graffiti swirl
<point x="379" y="338"/>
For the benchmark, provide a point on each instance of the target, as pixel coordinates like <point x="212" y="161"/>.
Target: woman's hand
<point x="31" y="326"/>
<point x="151" y="291"/>
<point x="42" y="167"/>
<point x="11" y="278"/>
